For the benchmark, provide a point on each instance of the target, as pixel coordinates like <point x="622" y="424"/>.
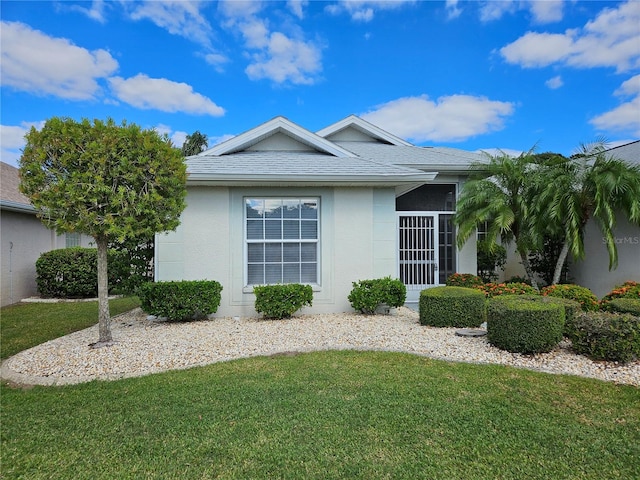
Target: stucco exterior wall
<point x="23" y="238"/>
<point x="593" y="272"/>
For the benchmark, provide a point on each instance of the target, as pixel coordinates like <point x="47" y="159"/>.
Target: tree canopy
<point x="112" y="182"/>
<point x="194" y="144"/>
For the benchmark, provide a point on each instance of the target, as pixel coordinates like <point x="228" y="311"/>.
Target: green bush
<point x="367" y="295"/>
<point x="178" y="301"/>
<point x="512" y="288"/>
<point x="626" y="305"/>
<point x="524" y="323"/>
<point x="629" y="289"/>
<point x="607" y="336"/>
<point x="452" y="307"/>
<point x="585" y="297"/>
<point x="135" y="261"/>
<point x="491" y="256"/>
<point x="282" y="300"/>
<point x="464" y="280"/>
<point x="73" y="272"/>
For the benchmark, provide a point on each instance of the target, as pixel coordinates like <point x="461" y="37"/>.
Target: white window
<point x="72" y="240"/>
<point x="281" y="237"/>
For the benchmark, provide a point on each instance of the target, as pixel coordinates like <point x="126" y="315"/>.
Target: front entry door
<point x="417" y="252"/>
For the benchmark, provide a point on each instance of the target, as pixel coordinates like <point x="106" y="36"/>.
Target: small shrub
<point x="629" y="289"/>
<point x="282" y="300"/>
<point x="585" y="297"/>
<point x="518" y="279"/>
<point x="607" y="336"/>
<point x="626" y="305"/>
<point x="367" y="295"/>
<point x="178" y="301"/>
<point x="452" y="307"/>
<point x="73" y="272"/>
<point x="496" y="289"/>
<point x="464" y="280"/>
<point x="491" y="256"/>
<point x="524" y="324"/>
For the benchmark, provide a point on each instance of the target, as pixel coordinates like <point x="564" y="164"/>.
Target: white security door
<point x="417" y="252"/>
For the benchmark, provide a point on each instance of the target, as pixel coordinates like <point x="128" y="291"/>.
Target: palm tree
<point x="194" y="144"/>
<point x="590" y="184"/>
<point x="499" y="195"/>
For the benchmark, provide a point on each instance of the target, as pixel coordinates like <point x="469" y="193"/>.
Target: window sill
<point x="314" y="287"/>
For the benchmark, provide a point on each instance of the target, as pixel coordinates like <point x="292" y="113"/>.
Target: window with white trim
<point x="281" y="239"/>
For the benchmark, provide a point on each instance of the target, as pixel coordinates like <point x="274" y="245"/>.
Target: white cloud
<point x="451" y="118"/>
<point x="611" y="40"/>
<point x="297" y="6"/>
<point x="542" y="11"/>
<point x="493" y="10"/>
<point x="554" y="83"/>
<point x="364" y="10"/>
<point x="178" y="17"/>
<point x="12" y="140"/>
<point x="39" y="64"/>
<point x="162" y="94"/>
<point x="453" y="10"/>
<point x="626" y="116"/>
<point x="547" y="11"/>
<point x="95" y="12"/>
<point x="274" y="55"/>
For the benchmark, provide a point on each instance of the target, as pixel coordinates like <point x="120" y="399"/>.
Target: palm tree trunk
<point x="562" y="258"/>
<point x="104" y="319"/>
<point x="524" y="255"/>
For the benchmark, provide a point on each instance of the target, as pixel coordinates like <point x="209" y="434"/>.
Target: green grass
<point x="325" y="415"/>
<point x="25" y="325"/>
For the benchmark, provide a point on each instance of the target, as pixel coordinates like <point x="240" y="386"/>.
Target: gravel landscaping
<point x="145" y="346"/>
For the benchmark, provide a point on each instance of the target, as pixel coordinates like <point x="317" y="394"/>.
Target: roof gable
<point x="278" y="133"/>
<point x="355" y="129"/>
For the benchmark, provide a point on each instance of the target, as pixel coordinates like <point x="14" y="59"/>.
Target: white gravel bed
<point x="145" y="346"/>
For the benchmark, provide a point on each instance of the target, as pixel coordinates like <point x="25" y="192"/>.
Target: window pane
<point x="291" y="273"/>
<point x="291" y="208"/>
<point x="255" y="274"/>
<point x="254" y="229"/>
<point x="273" y="273"/>
<point x="309" y="208"/>
<point x="291" y="252"/>
<point x="255" y="252"/>
<point x="309" y="252"/>
<point x="291" y="229"/>
<point x="309" y="230"/>
<point x="273" y="252"/>
<point x="273" y="229"/>
<point x="254" y="208"/>
<point x="309" y="273"/>
<point x="273" y="208"/>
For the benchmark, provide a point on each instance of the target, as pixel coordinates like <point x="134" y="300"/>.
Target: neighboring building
<point x="23" y="238"/>
<point x="593" y="272"/>
<point x="281" y="204"/>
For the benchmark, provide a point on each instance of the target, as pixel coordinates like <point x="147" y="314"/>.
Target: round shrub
<point x="178" y="301"/>
<point x="367" y="295"/>
<point x="626" y="305"/>
<point x="464" y="280"/>
<point x="585" y="297"/>
<point x="629" y="289"/>
<point x="73" y="272"/>
<point x="524" y="323"/>
<point x="452" y="307"/>
<point x="282" y="300"/>
<point x="607" y="336"/>
<point x="513" y="288"/>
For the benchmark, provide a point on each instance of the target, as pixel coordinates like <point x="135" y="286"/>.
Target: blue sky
<point x="469" y="75"/>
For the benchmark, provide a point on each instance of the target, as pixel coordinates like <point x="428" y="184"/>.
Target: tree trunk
<point x="527" y="268"/>
<point x="562" y="258"/>
<point x="104" y="319"/>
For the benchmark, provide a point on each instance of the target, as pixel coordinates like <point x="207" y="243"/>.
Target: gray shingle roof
<point x="10" y="196"/>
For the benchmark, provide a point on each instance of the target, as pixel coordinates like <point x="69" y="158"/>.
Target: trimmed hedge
<point x="452" y="307"/>
<point x="73" y="272"/>
<point x="585" y="297"/>
<point x="367" y="295"/>
<point x="607" y="336"/>
<point x="524" y="323"/>
<point x="629" y="289"/>
<point x="510" y="288"/>
<point x="626" y="305"/>
<point x="179" y="301"/>
<point x="282" y="300"/>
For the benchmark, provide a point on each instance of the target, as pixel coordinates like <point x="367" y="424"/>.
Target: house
<point x="23" y="238"/>
<point x="281" y="204"/>
<point x="593" y="272"/>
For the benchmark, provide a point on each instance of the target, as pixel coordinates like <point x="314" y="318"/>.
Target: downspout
<point x="10" y="272"/>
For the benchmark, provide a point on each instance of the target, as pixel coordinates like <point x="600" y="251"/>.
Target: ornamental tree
<point x="112" y="182"/>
